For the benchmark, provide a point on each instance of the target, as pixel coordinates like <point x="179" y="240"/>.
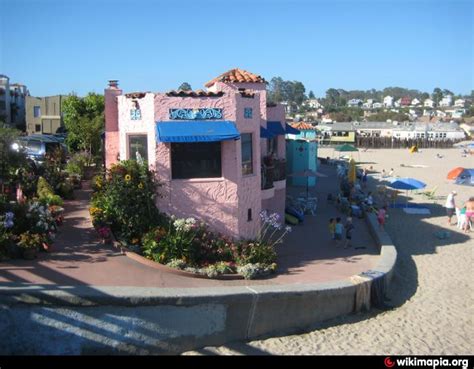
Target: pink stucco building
<point x="219" y="154"/>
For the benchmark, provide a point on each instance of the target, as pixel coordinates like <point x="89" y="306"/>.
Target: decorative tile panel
<point x="248" y="113"/>
<point x="135" y="114"/>
<point x="190" y="114"/>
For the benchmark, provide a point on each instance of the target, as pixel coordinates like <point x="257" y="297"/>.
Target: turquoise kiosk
<point x="302" y="154"/>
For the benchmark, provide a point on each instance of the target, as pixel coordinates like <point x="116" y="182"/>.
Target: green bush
<point x="77" y="164"/>
<point x="51" y="200"/>
<point x="44" y="189"/>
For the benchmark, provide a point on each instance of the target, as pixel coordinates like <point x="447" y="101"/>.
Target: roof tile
<point x="237" y="76"/>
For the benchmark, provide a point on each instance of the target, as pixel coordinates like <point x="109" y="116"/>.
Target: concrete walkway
<point x="307" y="256"/>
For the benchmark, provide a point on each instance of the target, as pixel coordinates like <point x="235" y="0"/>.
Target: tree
<point x="275" y="90"/>
<point x="437" y="95"/>
<point x="298" y="92"/>
<point x="447" y="92"/>
<point x="84" y="121"/>
<point x="311" y="95"/>
<point x="185" y="86"/>
<point x="332" y="96"/>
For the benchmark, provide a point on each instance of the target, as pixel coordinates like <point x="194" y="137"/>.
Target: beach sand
<point x="432" y="293"/>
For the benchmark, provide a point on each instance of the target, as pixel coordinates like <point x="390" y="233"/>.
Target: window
<point x="38" y="127"/>
<point x="34" y="146"/>
<point x="272" y="146"/>
<point x="248" y="113"/>
<point x="36" y="111"/>
<point x="137" y="147"/>
<point x="196" y="160"/>
<point x="247" y="162"/>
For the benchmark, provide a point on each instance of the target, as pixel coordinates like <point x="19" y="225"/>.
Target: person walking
<point x="450" y="206"/>
<point x="381" y="214"/>
<point x="349" y="228"/>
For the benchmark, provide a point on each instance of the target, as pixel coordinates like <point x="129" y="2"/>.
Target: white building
<point x="446" y="101"/>
<point x="428" y="103"/>
<point x="388" y="101"/>
<point x="377" y="105"/>
<point x="354" y="102"/>
<point x="415" y="102"/>
<point x="313" y="103"/>
<point x="460" y="103"/>
<point x="431" y="131"/>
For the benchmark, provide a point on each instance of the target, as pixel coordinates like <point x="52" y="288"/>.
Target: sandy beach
<point x="432" y="294"/>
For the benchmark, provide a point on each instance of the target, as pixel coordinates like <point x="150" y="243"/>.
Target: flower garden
<point x="31" y="200"/>
<point x="123" y="204"/>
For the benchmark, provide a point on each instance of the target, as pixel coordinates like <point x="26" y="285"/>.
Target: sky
<point x="56" y="47"/>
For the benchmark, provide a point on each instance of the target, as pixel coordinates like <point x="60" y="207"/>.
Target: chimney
<point x="112" y="141"/>
<point x="113" y="83"/>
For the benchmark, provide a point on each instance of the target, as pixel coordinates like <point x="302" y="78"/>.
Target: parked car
<point x="37" y="146"/>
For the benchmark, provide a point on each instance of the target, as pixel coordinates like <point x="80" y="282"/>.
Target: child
<point x="338" y="229"/>
<point x="332" y="228"/>
<point x="381" y="216"/>
<point x="349" y="228"/>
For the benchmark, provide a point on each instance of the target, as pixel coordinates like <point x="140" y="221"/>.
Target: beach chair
<point x="430" y="194"/>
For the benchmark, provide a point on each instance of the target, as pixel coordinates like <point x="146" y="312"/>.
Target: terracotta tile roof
<point x="237" y="76"/>
<point x="302" y="125"/>
<point x="135" y="95"/>
<point x="197" y="93"/>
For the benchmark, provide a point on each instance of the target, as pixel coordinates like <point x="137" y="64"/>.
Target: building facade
<point x="12" y="102"/>
<point x="206" y="149"/>
<point x="43" y="114"/>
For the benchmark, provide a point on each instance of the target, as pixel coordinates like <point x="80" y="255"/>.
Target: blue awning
<point x="265" y="133"/>
<point x="290" y="130"/>
<point x="196" y="131"/>
<point x="276" y="128"/>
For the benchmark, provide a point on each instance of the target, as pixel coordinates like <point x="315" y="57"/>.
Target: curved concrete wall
<point x="103" y="320"/>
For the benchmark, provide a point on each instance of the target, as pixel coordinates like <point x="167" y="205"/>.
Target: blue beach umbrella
<point x="407" y="184"/>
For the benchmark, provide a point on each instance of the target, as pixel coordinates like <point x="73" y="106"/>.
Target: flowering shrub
<point x="104" y="232"/>
<point x="252" y="271"/>
<point x="126" y="196"/>
<point x="29" y="240"/>
<point x="187" y="245"/>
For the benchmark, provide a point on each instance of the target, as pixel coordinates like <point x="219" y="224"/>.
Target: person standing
<point x="450" y="206"/>
<point x="469" y="213"/>
<point x="332" y="228"/>
<point x="338" y="230"/>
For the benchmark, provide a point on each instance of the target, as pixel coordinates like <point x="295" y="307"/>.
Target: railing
<point x="280" y="170"/>
<point x="268" y="175"/>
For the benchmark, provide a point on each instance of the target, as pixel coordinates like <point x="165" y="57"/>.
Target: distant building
<point x="415" y="102"/>
<point x="428" y="103"/>
<point x="460" y="103"/>
<point x="12" y="102"/>
<point x="388" y="101"/>
<point x="354" y="102"/>
<point x="377" y="105"/>
<point x="43" y="114"/>
<point x="313" y="104"/>
<point x="446" y="101"/>
<point x="405" y="101"/>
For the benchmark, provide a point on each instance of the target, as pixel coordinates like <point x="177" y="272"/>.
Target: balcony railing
<point x="280" y="170"/>
<point x="267" y="176"/>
